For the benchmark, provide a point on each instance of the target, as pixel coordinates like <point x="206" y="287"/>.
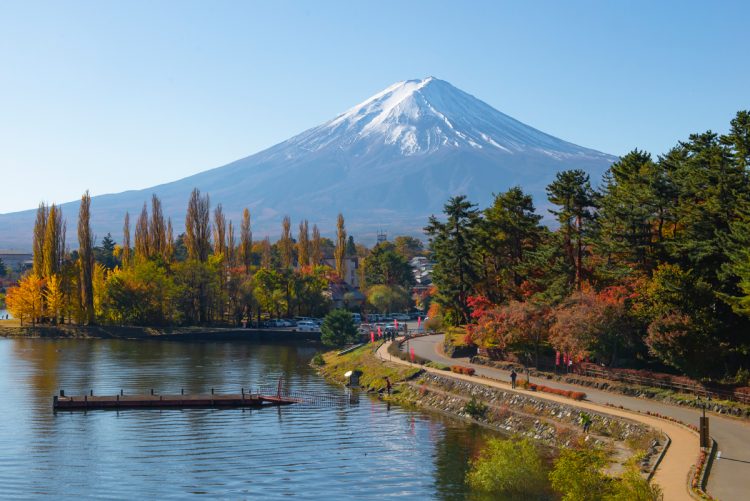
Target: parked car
<point x="307" y="326"/>
<point x="401" y="317"/>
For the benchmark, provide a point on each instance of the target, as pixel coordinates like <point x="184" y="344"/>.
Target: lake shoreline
<point x="67" y="331"/>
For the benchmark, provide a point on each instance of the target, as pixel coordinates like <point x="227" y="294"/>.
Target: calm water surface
<point x="357" y="449"/>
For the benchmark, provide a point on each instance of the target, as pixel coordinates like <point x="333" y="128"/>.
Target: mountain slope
<point x="387" y="163"/>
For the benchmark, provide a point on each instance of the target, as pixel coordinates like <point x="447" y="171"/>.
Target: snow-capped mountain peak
<point x="426" y="115"/>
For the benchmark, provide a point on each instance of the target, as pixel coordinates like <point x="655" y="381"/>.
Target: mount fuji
<point x="387" y="164"/>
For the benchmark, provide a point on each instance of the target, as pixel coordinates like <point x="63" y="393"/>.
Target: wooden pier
<point x="152" y="401"/>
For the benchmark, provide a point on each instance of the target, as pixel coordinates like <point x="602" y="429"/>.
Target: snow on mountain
<point x="387" y="163"/>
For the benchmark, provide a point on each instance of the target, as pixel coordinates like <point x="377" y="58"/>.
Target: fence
<point x="692" y="388"/>
<point x="306" y="397"/>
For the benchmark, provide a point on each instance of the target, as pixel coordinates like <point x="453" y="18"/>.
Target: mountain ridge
<point x="386" y="163"/>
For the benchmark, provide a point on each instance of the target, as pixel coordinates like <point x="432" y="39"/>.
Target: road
<point x="730" y="475"/>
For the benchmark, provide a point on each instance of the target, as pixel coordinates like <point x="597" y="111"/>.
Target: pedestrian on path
<point x="513" y="377"/>
<point x="585" y="422"/>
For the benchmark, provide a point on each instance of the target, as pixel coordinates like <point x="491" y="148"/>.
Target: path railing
<point x="692" y="388"/>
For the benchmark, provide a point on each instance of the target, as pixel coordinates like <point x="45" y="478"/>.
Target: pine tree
<point x="453" y="244"/>
<point x="86" y="259"/>
<point x="507" y="233"/>
<point x="198" y="227"/>
<point x="571" y="191"/>
<point x="246" y="241"/>
<point x="339" y="252"/>
<point x="303" y="244"/>
<point x="316" y="250"/>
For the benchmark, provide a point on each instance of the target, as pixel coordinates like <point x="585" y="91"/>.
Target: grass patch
<point x="374" y="370"/>
<point x="438" y="366"/>
<point x="456" y="337"/>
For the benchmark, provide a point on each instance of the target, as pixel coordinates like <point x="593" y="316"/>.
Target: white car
<point x="308" y="326"/>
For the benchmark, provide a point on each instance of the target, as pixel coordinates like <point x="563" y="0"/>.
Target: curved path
<point x="730" y="474"/>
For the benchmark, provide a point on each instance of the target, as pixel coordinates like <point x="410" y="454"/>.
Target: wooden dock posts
<point x="122" y="401"/>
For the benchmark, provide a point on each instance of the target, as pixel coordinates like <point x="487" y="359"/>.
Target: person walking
<point x="513" y="376"/>
<point x="585" y="422"/>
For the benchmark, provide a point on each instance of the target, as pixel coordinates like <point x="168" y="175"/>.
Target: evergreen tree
<point x="384" y="266"/>
<point x="507" y="233"/>
<point x="628" y="211"/>
<point x="571" y="191"/>
<point x="453" y="244"/>
<point x="3" y="268"/>
<point x="106" y="253"/>
<point x="351" y="247"/>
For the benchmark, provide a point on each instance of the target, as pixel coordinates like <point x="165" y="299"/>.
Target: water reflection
<point x="359" y="448"/>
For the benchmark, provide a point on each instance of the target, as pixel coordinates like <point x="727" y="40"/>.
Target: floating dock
<point x="90" y="402"/>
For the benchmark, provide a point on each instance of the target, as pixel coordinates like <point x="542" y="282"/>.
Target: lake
<point x="356" y="448"/>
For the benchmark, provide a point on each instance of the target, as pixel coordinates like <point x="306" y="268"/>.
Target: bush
<point x="460" y="369"/>
<point x="475" y="408"/>
<point x="509" y="468"/>
<point x="318" y="360"/>
<point x="577" y="475"/>
<point x="575" y="395"/>
<point x="338" y="329"/>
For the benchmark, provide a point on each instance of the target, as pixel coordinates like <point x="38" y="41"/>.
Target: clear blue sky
<point x="120" y="95"/>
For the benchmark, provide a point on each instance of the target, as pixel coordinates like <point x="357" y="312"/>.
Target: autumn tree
<point x="198" y="227"/>
<point x="86" y="259"/>
<point x="316" y="251"/>
<point x="220" y="232"/>
<point x="142" y="237"/>
<point x="246" y="241"/>
<point x="157" y="230"/>
<point x="126" y="241"/>
<point x="40" y="229"/>
<point x="285" y="244"/>
<point x="340" y="250"/>
<point x="54" y="242"/>
<point x="303" y="244"/>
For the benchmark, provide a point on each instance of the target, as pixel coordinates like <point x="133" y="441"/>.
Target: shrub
<point x="509" y="468"/>
<point x="577" y="475"/>
<point x="575" y="395"/>
<point x="318" y="360"/>
<point x="475" y="408"/>
<point x="460" y="369"/>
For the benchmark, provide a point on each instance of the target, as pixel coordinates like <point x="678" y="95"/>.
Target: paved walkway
<point x="730" y="476"/>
